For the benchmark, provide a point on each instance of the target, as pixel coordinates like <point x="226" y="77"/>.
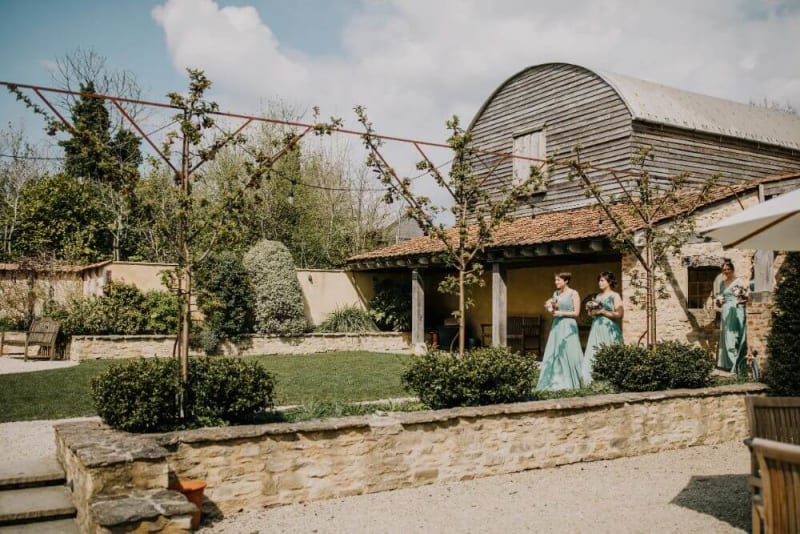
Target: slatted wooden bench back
<point x="779" y="503"/>
<point x="42" y="333"/>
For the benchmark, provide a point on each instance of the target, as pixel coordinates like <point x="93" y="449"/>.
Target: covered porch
<point x="518" y="279"/>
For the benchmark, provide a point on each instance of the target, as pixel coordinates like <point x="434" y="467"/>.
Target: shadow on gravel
<point x="725" y="497"/>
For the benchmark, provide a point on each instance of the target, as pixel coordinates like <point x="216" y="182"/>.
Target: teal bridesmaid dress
<point x="561" y="364"/>
<point x="732" y="331"/>
<point x="605" y="331"/>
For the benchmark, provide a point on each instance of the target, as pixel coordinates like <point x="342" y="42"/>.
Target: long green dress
<point x="732" y="331"/>
<point x="561" y="364"/>
<point x="605" y="331"/>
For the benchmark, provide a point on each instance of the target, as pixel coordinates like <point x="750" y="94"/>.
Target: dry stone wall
<point x="148" y="346"/>
<point x="250" y="467"/>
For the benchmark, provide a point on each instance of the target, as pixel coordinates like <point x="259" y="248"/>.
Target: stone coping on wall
<point x="98" y="446"/>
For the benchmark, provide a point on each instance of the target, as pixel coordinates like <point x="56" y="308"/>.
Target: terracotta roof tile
<point x="567" y="225"/>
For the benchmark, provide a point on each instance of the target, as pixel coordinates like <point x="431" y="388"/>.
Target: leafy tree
<point x="638" y="215"/>
<point x="477" y="211"/>
<point x="16" y="172"/>
<point x="783" y="366"/>
<point x="63" y="217"/>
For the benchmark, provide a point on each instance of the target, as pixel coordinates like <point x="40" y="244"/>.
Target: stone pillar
<point x="417" y="312"/>
<point x="499" y="305"/>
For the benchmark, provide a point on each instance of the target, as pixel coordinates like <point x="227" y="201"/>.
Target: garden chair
<point x="43" y="333"/>
<point x="778" y="505"/>
<point x="771" y="418"/>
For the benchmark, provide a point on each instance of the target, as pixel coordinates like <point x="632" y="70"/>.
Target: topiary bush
<point x="390" y="308"/>
<point x="143" y="395"/>
<point x="228" y="390"/>
<point x="782" y="373"/>
<point x="669" y="365"/>
<point x="483" y="376"/>
<point x="278" y="299"/>
<point x="225" y="296"/>
<point x="348" y="319"/>
<point x="139" y="396"/>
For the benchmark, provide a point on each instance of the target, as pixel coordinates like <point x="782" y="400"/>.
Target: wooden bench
<point x="775" y="419"/>
<point x="43" y="333"/>
<point x="527" y="331"/>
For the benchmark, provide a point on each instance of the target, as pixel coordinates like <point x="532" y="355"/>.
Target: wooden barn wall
<point x="576" y="108"/>
<point x="706" y="155"/>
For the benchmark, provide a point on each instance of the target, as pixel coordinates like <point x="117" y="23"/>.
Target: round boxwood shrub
<point x="491" y="375"/>
<point x="139" y="396"/>
<point x="143" y="395"/>
<point x="782" y="373"/>
<point x="278" y="299"/>
<point x="669" y="365"/>
<point x="228" y="390"/>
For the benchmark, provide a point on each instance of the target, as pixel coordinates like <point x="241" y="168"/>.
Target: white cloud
<point x="414" y="63"/>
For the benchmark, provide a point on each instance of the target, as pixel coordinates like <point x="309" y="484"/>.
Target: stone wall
<point x="148" y="346"/>
<point x="250" y="467"/>
<point x="759" y="323"/>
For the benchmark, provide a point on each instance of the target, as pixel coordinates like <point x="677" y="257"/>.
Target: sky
<point x="413" y="63"/>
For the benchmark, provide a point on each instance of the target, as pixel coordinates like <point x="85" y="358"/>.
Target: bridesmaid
<point x="561" y="364"/>
<point x="605" y="327"/>
<point x="733" y="294"/>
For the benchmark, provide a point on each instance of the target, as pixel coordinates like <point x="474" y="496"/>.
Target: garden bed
<point x="250" y="467"/>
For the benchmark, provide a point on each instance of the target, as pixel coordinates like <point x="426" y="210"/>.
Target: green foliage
<point x="390" y="308"/>
<point x="65" y="218"/>
<point x="348" y="319"/>
<point x="139" y="396"/>
<point x="225" y="296"/>
<point x="123" y="309"/>
<point x="782" y="373"/>
<point x="142" y="395"/>
<point x="278" y="297"/>
<point x="228" y="390"/>
<point x="669" y="365"/>
<point x="482" y="376"/>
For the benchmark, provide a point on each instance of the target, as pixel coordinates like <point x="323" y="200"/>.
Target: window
<point x="701" y="286"/>
<point x="530" y="144"/>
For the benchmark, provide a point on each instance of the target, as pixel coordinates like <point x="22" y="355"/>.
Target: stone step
<point x="29" y="473"/>
<point x="35" y="504"/>
<point x="59" y="526"/>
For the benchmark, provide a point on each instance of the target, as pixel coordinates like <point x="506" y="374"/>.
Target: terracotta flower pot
<point x="193" y="489"/>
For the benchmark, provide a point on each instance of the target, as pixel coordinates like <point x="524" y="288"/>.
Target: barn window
<point x="531" y="144"/>
<point x="701" y="286"/>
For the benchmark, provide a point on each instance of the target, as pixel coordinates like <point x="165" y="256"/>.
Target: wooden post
<point x="499" y="305"/>
<point x="417" y="311"/>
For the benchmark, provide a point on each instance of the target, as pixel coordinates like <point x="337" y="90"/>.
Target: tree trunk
<point x="461" y="314"/>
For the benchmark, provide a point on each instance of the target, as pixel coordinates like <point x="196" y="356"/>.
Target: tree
<point x="62" y="217"/>
<point x="637" y="216"/>
<point x="783" y="366"/>
<point x="23" y="166"/>
<point x="477" y="211"/>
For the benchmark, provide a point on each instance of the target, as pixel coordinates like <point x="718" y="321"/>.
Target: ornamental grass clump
<point x="278" y="299"/>
<point x="348" y="319"/>
<point x="491" y="375"/>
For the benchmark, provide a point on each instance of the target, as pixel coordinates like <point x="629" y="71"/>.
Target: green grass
<point x="300" y="379"/>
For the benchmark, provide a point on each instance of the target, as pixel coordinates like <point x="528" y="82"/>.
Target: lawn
<point x="300" y="379"/>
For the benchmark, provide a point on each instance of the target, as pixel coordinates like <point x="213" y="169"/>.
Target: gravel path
<point x="10" y="365"/>
<point x="28" y="440"/>
<point x="701" y="489"/>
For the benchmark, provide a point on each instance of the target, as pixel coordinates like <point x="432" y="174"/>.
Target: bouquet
<point x="592" y="306"/>
<point x="551" y="304"/>
<point x="740" y="293"/>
